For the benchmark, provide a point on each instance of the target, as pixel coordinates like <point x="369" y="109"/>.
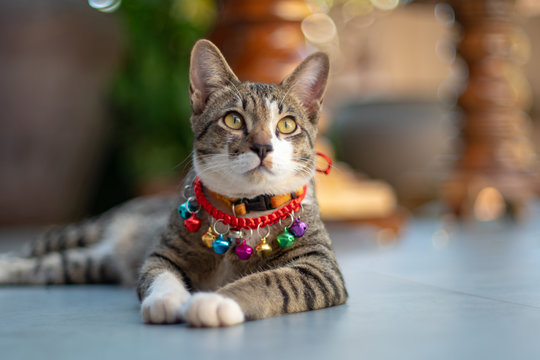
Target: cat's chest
<point x="230" y="267"/>
<point x="227" y="270"/>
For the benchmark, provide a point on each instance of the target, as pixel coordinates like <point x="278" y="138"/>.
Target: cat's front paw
<point x="163" y="308"/>
<point x="212" y="310"/>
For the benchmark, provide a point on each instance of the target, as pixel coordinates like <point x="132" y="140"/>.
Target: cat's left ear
<point x="307" y="83"/>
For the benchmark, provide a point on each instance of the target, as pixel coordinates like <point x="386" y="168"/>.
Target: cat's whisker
<point x="187" y="161"/>
<point x="211" y="156"/>
<point x="340" y="168"/>
<point x="218" y="167"/>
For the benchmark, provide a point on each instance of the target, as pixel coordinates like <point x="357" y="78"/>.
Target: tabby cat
<point x="253" y="159"/>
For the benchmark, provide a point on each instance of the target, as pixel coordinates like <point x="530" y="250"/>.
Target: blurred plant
<point x="150" y="98"/>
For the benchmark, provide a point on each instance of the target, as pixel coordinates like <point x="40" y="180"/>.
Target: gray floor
<point x="439" y="292"/>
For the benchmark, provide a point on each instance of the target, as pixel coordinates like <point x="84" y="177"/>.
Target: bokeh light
<point x="385" y="4"/>
<point x="489" y="205"/>
<point x="445" y="14"/>
<point x="106" y="6"/>
<point x="354" y="8"/>
<point x="319" y="28"/>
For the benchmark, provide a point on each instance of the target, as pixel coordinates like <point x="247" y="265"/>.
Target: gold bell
<point x="263" y="249"/>
<point x="209" y="237"/>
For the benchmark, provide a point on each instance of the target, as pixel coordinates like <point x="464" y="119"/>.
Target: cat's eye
<point x="286" y="125"/>
<point x="234" y="121"/>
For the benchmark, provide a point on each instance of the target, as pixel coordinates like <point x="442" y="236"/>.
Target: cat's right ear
<point x="208" y="72"/>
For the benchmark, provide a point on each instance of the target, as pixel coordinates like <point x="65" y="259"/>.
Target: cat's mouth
<point x="261" y="168"/>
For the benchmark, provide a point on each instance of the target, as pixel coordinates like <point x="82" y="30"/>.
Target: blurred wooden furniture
<point x="56" y="63"/>
<point x="263" y="41"/>
<point x="495" y="150"/>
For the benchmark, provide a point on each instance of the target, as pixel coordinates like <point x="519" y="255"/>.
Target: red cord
<point x="247" y="223"/>
<point x="327" y="158"/>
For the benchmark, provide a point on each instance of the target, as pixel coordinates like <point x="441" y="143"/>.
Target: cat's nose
<point x="262" y="149"/>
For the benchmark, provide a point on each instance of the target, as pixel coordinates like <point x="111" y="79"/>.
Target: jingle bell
<point x="243" y="251"/>
<point x="221" y="245"/>
<point x="185" y="210"/>
<point x="298" y="228"/>
<point x="193" y="224"/>
<point x="263" y="249"/>
<point x="285" y="239"/>
<point x="209" y="237"/>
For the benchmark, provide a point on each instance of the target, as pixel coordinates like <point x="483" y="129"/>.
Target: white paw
<point x="165" y="299"/>
<point x="212" y="310"/>
<point x="163" y="308"/>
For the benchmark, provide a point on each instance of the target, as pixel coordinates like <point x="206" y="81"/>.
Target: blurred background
<point x="94" y="105"/>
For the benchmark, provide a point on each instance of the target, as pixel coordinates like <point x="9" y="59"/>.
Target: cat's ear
<point x="208" y="72"/>
<point x="307" y="83"/>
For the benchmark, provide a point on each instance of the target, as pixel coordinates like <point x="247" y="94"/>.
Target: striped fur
<point x="145" y="241"/>
<point x="108" y="249"/>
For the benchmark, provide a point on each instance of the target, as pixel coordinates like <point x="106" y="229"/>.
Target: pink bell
<point x="243" y="251"/>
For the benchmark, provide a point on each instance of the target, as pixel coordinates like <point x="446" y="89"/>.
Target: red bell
<point x="193" y="223"/>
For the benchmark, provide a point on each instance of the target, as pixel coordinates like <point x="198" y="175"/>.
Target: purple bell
<point x="298" y="228"/>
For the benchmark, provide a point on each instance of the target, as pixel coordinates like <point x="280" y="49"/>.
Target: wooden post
<point x="262" y="40"/>
<point x="495" y="151"/>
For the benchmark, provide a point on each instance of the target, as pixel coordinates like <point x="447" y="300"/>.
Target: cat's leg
<point x="309" y="279"/>
<point x="162" y="289"/>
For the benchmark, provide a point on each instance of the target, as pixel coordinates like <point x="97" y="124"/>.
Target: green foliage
<point x="150" y="94"/>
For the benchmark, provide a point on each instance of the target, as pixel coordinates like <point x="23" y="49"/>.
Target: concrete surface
<point x="438" y="292"/>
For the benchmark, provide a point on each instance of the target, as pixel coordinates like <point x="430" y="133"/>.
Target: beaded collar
<point x="234" y="228"/>
<point x="241" y="206"/>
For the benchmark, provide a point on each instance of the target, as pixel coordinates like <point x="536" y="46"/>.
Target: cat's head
<point x="253" y="138"/>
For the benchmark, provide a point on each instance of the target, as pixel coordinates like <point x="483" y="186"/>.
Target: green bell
<point x="285" y="239"/>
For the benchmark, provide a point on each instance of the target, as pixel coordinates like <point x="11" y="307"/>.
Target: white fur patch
<point x="212" y="310"/>
<point x="273" y="110"/>
<point x="283" y="149"/>
<point x="164" y="300"/>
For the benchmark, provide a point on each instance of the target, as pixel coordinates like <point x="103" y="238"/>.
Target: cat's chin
<point x="252" y="179"/>
<point x="259" y="175"/>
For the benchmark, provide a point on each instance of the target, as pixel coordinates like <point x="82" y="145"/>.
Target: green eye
<point x="234" y="121"/>
<point x="286" y="125"/>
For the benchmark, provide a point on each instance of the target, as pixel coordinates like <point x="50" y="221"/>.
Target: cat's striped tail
<point x="60" y="238"/>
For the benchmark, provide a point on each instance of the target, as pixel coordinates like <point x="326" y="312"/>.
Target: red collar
<point x="242" y="206"/>
<point x="247" y="223"/>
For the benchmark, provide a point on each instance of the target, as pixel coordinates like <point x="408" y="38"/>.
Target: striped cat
<point x="245" y="241"/>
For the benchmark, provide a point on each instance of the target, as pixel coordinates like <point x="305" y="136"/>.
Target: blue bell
<point x="221" y="245"/>
<point x="185" y="210"/>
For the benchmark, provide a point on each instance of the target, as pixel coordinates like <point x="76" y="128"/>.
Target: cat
<point x="244" y="241"/>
